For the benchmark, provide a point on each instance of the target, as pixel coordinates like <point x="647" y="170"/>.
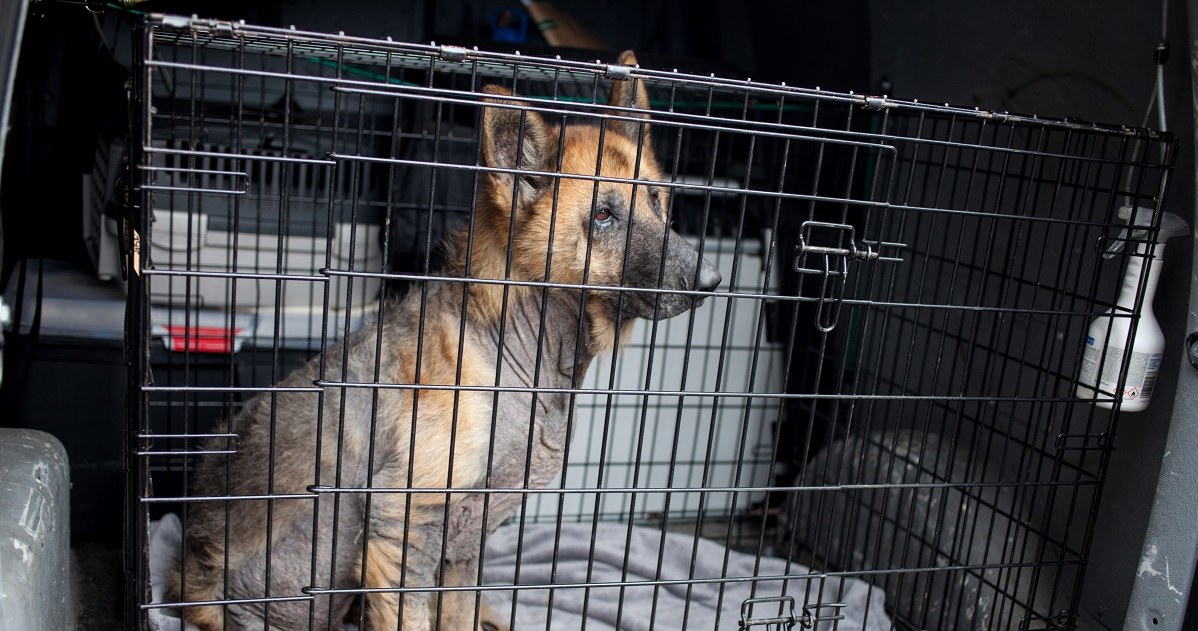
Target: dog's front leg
<point x="457" y="608"/>
<point x="403" y="549"/>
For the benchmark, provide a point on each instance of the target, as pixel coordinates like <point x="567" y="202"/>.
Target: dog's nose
<point x="709" y="277"/>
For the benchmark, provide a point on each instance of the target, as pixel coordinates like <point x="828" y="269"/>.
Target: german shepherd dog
<point x="557" y="228"/>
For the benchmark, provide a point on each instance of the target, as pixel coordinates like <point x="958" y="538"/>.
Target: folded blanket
<point x="724" y="581"/>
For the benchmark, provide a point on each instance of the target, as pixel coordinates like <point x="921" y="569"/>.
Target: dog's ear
<point x="506" y="130"/>
<point x="629" y="93"/>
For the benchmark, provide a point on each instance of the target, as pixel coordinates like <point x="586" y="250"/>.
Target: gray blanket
<point x="713" y="604"/>
<point x="714" y="601"/>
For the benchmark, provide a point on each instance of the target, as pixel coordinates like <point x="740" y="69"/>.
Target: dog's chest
<point x="528" y="453"/>
<point x="528" y="448"/>
<point x="530" y="414"/>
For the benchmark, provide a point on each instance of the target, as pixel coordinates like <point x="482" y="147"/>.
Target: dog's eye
<point x="602" y="213"/>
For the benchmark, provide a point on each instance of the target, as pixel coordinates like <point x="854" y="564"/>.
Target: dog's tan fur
<point x="439" y="438"/>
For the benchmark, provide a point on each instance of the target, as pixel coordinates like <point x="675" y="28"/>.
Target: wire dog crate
<point x="871" y="423"/>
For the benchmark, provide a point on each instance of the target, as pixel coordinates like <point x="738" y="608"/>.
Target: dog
<point x="441" y="347"/>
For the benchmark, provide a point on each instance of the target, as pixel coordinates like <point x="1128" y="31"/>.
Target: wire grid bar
<point x="345" y="49"/>
<point x="903" y="425"/>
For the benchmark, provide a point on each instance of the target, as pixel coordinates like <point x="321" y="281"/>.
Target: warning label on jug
<point x="1141" y="371"/>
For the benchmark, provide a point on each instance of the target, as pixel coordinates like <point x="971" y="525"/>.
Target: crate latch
<point x="826" y="249"/>
<point x="815" y="614"/>
<point x="1083" y="442"/>
<point x="784" y="616"/>
<point x="1059" y="621"/>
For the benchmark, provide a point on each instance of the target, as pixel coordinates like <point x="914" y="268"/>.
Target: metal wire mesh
<point x="881" y="392"/>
